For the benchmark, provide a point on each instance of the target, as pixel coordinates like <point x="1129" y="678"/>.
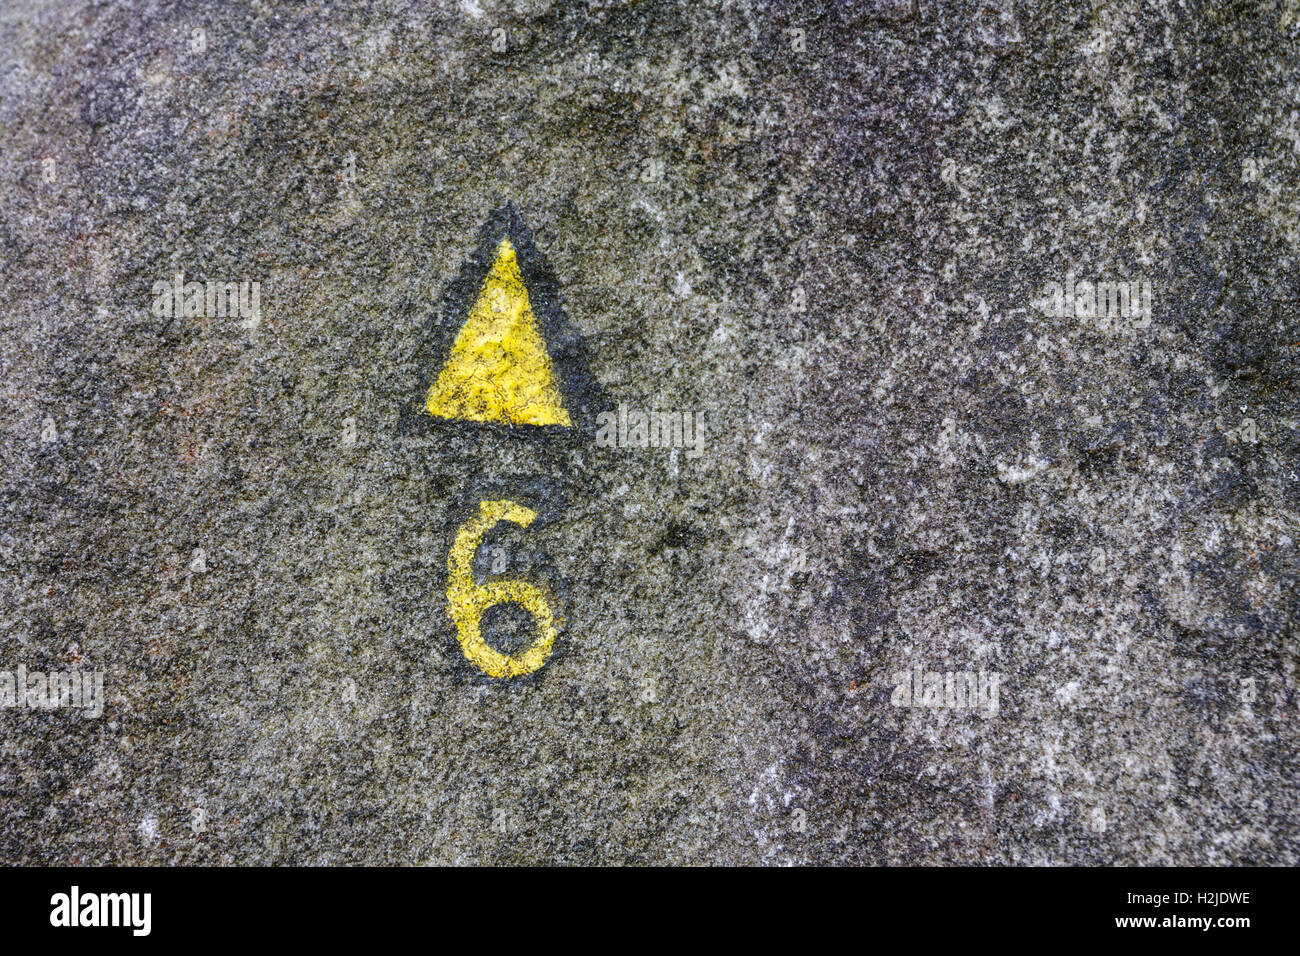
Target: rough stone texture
<point x="907" y="462"/>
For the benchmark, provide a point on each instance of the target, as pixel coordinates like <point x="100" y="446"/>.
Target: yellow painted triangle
<point x="499" y="369"/>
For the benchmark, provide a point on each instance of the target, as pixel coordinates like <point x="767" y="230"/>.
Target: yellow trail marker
<point x="499" y="369"/>
<point x="467" y="601"/>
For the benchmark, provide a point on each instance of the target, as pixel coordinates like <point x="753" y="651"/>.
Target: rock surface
<point x="831" y="229"/>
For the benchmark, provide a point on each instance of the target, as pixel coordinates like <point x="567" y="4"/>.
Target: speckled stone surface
<point x="827" y="228"/>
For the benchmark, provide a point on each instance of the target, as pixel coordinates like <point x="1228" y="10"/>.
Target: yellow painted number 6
<point x="467" y="601"/>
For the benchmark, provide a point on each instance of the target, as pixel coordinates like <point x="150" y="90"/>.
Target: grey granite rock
<point x="831" y="229"/>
